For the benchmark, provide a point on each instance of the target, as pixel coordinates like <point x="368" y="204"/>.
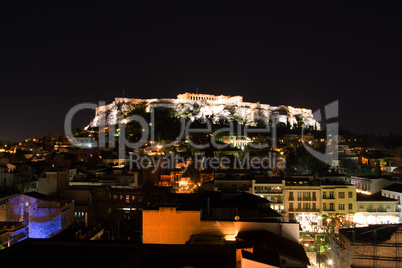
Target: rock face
<point x="222" y="107"/>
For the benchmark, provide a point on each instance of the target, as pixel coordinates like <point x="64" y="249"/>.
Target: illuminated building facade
<point x="339" y="199"/>
<point x="236" y="141"/>
<point x="168" y="225"/>
<point x="212" y="214"/>
<point x="371" y="184"/>
<point x="272" y="190"/>
<point x="42" y="217"/>
<point x="303" y="203"/>
<point x="208" y="97"/>
<point x="375" y="209"/>
<point x="394" y="191"/>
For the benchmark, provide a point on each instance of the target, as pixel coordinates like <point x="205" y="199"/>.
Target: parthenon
<point x="196" y="96"/>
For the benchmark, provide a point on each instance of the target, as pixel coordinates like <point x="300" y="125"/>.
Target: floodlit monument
<point x="196" y="106"/>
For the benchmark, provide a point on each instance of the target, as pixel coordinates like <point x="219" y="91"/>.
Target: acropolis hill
<point x="195" y="106"/>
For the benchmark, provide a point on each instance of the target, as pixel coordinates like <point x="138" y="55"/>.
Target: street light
<point x="330" y="262"/>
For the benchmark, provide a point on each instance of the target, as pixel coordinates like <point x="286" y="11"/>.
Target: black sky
<point x="304" y="54"/>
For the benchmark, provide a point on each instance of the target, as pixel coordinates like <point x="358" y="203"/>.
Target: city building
<point x="303" y="204"/>
<point x="43" y="216"/>
<point x="55" y="181"/>
<point x="11" y="233"/>
<point x="213" y="214"/>
<point x="394" y="191"/>
<point x="375" y="209"/>
<point x="339" y="200"/>
<point x="272" y="189"/>
<point x="372" y="184"/>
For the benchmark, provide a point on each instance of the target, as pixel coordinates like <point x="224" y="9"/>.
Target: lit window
<point x="341" y="206"/>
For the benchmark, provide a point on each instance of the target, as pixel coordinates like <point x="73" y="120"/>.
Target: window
<point x="388" y="206"/>
<point x="341" y="206"/>
<point x="314" y="196"/>
<point x="331" y="206"/>
<point x="324" y="194"/>
<point x="299" y="195"/>
<point x="350" y="194"/>
<point x="331" y="194"/>
<point x="314" y="206"/>
<point x="350" y="206"/>
<point x="291" y="196"/>
<point x="290" y="205"/>
<point x="299" y="205"/>
<point x="361" y="207"/>
<point x="324" y="206"/>
<point x="341" y="195"/>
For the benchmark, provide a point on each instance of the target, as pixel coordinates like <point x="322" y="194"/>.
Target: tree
<point x="377" y="169"/>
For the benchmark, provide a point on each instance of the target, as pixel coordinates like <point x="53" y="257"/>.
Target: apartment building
<point x="303" y="204"/>
<point x="271" y="189"/>
<point x="338" y="199"/>
<point x="376" y="209"/>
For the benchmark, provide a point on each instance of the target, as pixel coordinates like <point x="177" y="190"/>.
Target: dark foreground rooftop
<point x="47" y="253"/>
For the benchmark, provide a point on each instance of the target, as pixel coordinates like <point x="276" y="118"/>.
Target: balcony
<point x="328" y="197"/>
<point x="268" y="191"/>
<point x="291" y="198"/>
<point x="378" y="210"/>
<point x="306" y="198"/>
<point x="329" y="209"/>
<point x="314" y="199"/>
<point x="291" y="209"/>
<point x="307" y="210"/>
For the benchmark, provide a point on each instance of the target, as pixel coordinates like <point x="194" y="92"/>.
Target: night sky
<point x="298" y="53"/>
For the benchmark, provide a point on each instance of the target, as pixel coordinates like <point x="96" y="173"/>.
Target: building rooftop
<point x="396" y="187"/>
<point x="48" y="253"/>
<point x="267" y="244"/>
<point x="373" y="198"/>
